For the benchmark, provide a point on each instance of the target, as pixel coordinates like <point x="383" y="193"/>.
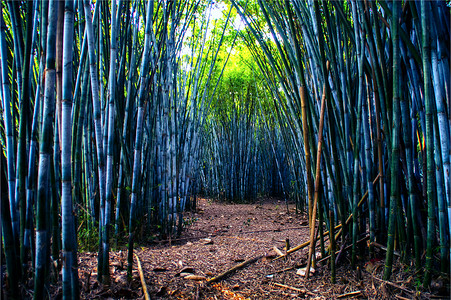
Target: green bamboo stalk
<point x="394" y="188"/>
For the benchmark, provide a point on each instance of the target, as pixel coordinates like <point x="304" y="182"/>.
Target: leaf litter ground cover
<point x="220" y="236"/>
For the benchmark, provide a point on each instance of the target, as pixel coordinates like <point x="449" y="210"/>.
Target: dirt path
<point x="220" y="236"/>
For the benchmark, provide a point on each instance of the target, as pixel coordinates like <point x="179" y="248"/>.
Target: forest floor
<point x="220" y="236"/>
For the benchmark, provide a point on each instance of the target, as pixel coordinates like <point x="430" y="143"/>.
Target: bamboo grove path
<point x="220" y="236"/>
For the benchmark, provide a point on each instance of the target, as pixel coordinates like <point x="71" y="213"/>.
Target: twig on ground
<point x="303" y="291"/>
<point x="351" y="294"/>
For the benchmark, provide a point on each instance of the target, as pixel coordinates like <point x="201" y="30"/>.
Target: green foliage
<point x="189" y="221"/>
<point x="88" y="234"/>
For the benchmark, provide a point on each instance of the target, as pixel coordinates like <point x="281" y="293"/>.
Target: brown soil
<point x="220" y="236"/>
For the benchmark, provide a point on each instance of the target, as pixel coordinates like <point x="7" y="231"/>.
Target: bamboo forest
<point x="225" y="149"/>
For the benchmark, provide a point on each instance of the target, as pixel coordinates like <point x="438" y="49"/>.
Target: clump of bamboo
<point x="368" y="112"/>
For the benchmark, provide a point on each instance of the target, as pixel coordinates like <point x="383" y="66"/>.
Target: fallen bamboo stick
<point x="304" y="291"/>
<point x="141" y="276"/>
<point x="233" y="269"/>
<point x="351" y="294"/>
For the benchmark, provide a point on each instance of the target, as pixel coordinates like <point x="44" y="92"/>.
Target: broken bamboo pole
<point x="303" y="291"/>
<point x="351" y="294"/>
<point x="143" y="281"/>
<point x="233" y="269"/>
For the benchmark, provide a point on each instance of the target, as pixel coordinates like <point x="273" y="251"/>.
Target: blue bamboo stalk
<point x="95" y="86"/>
<point x="69" y="238"/>
<point x="45" y="155"/>
<point x="144" y="70"/>
<point x="9" y="128"/>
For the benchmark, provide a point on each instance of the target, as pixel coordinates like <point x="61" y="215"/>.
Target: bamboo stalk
<point x="233" y="269"/>
<point x="317" y="182"/>
<point x="430" y="178"/>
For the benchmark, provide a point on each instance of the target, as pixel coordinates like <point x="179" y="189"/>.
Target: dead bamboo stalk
<point x="141" y="276"/>
<point x="233" y="269"/>
<point x="317" y="180"/>
<point x="305" y="130"/>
